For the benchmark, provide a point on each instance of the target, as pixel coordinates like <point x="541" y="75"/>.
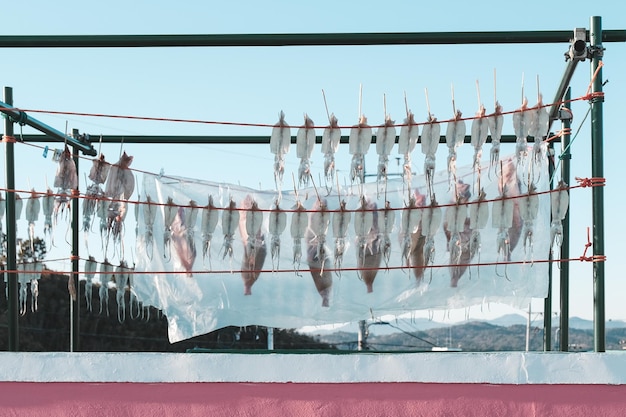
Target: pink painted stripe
<point x="304" y="399"/>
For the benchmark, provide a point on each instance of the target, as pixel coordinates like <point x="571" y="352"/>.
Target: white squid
<point x="37" y="268"/>
<point x="102" y="210"/>
<point x="305" y="143"/>
<point x="455" y="217"/>
<point x="528" y="209"/>
<point x="47" y="205"/>
<point x="539" y="130"/>
<point x="169" y="215"/>
<point x="121" y="282"/>
<point x="120" y="182"/>
<point x="210" y="217"/>
<point x="23" y="279"/>
<point x="495" y="122"/>
<point x="430" y="141"/>
<point x="480" y="131"/>
<point x="431" y="221"/>
<point x="149" y="215"/>
<point x="522" y="121"/>
<point x="385" y="139"/>
<point x="299" y="223"/>
<point x="277" y="225"/>
<point x="502" y="219"/>
<point x="230" y="223"/>
<point x="559" y="202"/>
<point x="98" y="174"/>
<point x="409" y="133"/>
<point x="363" y="222"/>
<point x="106" y="275"/>
<point x="359" y="142"/>
<point x="341" y="221"/>
<point x="330" y="143"/>
<point x="320" y="220"/>
<point x="280" y="140"/>
<point x="254" y="222"/>
<point x="19" y="203"/>
<point x="479" y="216"/>
<point x="387" y="225"/>
<point x="455" y="135"/>
<point x="90" y="271"/>
<point x="410" y="221"/>
<point x="191" y="217"/>
<point x="33" y="206"/>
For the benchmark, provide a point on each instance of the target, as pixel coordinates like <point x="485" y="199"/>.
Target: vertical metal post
<point x="270" y="338"/>
<point x="12" y="285"/>
<point x="362" y="336"/>
<point x="597" y="171"/>
<point x="75" y="303"/>
<point x="566" y="157"/>
<point x="547" y="302"/>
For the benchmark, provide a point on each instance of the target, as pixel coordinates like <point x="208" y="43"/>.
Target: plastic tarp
<point x="199" y="294"/>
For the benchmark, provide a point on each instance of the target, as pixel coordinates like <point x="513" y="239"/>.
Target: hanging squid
<point x="411" y="217"/>
<point x="23" y="279"/>
<point x="317" y="254"/>
<point x="169" y="215"/>
<point x="480" y="131"/>
<point x="539" y="130"/>
<point x="98" y="174"/>
<point x="19" y="203"/>
<point x="522" y="121"/>
<point x="458" y="233"/>
<point x="409" y="133"/>
<point x="121" y="282"/>
<point x="106" y="275"/>
<point x="502" y="219"/>
<point x="431" y="221"/>
<point x="230" y="222"/>
<point x="495" y="122"/>
<point x="330" y="143"/>
<point x="181" y="242"/>
<point x="191" y="217"/>
<point x="359" y="142"/>
<point x="102" y="210"/>
<point x="299" y="222"/>
<point x="90" y="271"/>
<point x="455" y="135"/>
<point x="528" y="209"/>
<point x="279" y="146"/>
<point x="387" y="224"/>
<point x="119" y="188"/>
<point x="305" y="142"/>
<point x="37" y="269"/>
<point x="385" y="139"/>
<point x="369" y="252"/>
<point x="47" y="206"/>
<point x="210" y="217"/>
<point x="277" y="224"/>
<point x="341" y="221"/>
<point x="430" y="141"/>
<point x="65" y="180"/>
<point x="255" y="249"/>
<point x="479" y="216"/>
<point x="559" y="201"/>
<point x="33" y="206"/>
<point x="149" y="210"/>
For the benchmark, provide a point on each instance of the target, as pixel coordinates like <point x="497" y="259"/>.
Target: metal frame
<point x="578" y="52"/>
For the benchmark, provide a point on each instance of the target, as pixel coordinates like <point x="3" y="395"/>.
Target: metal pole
<point x="12" y="285"/>
<point x="270" y="338"/>
<point x="597" y="171"/>
<point x="75" y="303"/>
<point x="295" y="39"/>
<point x="566" y="157"/>
<point x="18" y="116"/>
<point x="362" y="336"/>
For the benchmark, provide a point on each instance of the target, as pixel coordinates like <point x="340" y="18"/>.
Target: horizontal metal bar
<point x="296" y="39"/>
<point x="217" y="140"/>
<point x="53" y="135"/>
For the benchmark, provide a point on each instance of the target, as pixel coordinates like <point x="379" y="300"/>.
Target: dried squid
<point x="149" y="210"/>
<point x="522" y="121"/>
<point x="431" y="221"/>
<point x="121" y="282"/>
<point x="340" y="222"/>
<point x="559" y="201"/>
<point x="385" y="139"/>
<point x="277" y="224"/>
<point x="230" y="222"/>
<point x="369" y="252"/>
<point x="495" y="122"/>
<point x="330" y="143"/>
<point x="528" y="209"/>
<point x="33" y="206"/>
<point x="430" y="141"/>
<point x="299" y="221"/>
<point x="305" y="142"/>
<point x="317" y="254"/>
<point x="169" y="215"/>
<point x="455" y="135"/>
<point x="409" y="133"/>
<point x="255" y="249"/>
<point x="479" y="216"/>
<point x="65" y="180"/>
<point x="279" y="146"/>
<point x="106" y="275"/>
<point x="210" y="217"/>
<point x="90" y="271"/>
<point x="480" y="131"/>
<point x="458" y="234"/>
<point x="359" y="142"/>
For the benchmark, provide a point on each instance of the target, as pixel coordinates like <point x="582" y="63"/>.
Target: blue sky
<point x="254" y="84"/>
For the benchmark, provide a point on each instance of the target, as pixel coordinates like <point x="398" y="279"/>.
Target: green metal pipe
<point x="75" y="303"/>
<point x="213" y="140"/>
<point x="566" y="157"/>
<point x="18" y="116"/>
<point x="12" y="283"/>
<point x="597" y="171"/>
<point x="296" y="39"/>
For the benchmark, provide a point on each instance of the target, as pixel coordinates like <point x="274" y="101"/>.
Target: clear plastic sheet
<point x="199" y="295"/>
